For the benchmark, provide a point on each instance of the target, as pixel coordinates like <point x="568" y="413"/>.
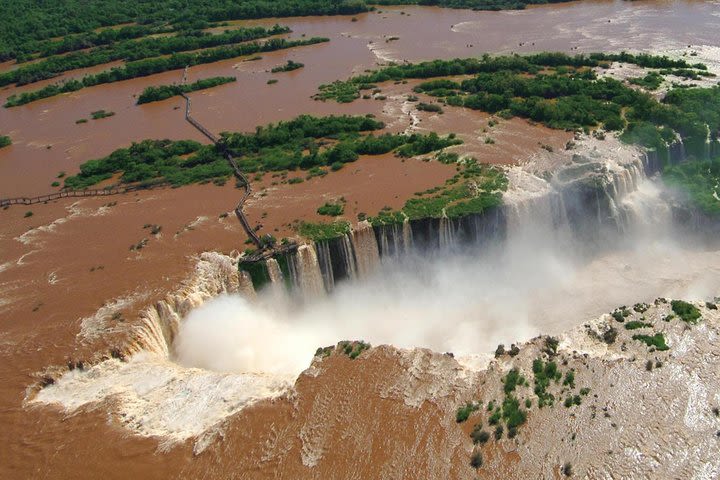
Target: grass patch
<point x="323" y="231"/>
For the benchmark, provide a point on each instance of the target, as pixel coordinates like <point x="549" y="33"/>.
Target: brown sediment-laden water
<point x="71" y="263"/>
<point x="29" y="166"/>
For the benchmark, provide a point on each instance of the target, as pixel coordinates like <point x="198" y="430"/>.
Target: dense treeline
<point x="25" y="21"/>
<point x="152" y="66"/>
<point x="489" y="64"/>
<point x="162" y="92"/>
<point x="133" y="50"/>
<point x="305" y="143"/>
<point x="72" y="43"/>
<point x="472" y="4"/>
<point x="699" y="180"/>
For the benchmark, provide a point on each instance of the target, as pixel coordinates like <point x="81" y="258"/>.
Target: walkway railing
<point x="242" y="179"/>
<point x="98" y="192"/>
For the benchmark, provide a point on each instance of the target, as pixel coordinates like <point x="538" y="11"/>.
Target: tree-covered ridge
<point x="306" y="143"/>
<point x="150" y="66"/>
<point x="24" y="24"/>
<point x="162" y="92"/>
<point x="133" y="50"/>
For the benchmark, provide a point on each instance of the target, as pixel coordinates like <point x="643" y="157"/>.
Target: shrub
<point x="288" y="67"/>
<point x="686" y="311"/>
<point x="463" y="413"/>
<point x="478" y="435"/>
<point x="498" y="432"/>
<point x="97" y="115"/>
<point x="634" y="325"/>
<point x="657" y="341"/>
<point x="610" y="335"/>
<point x="476" y="460"/>
<point x="429" y="107"/>
<point x="331" y="209"/>
<point x="28" y="214"/>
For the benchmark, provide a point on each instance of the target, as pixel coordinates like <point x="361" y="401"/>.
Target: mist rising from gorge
<point x="540" y="281"/>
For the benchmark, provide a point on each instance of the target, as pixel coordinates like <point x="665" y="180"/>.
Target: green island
<point x="288" y="67"/>
<point x="305" y="143"/>
<point x="163" y="92"/>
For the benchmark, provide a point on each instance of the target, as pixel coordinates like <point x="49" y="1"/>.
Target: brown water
<point x="47" y="284"/>
<point x="29" y="166"/>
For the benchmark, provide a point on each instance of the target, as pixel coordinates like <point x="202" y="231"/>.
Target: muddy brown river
<point x="46" y="139"/>
<point x="47" y="283"/>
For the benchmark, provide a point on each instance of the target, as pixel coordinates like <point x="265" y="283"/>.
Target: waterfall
<point x="277" y="279"/>
<point x="214" y="274"/>
<point x="446" y="234"/>
<point x="306" y="270"/>
<point x="390" y="239"/>
<point x="348" y="256"/>
<point x="407" y="236"/>
<point x="325" y="262"/>
<point x="276" y="276"/>
<point x="601" y="193"/>
<point x="367" y="254"/>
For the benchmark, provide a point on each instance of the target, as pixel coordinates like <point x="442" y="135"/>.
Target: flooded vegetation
<point x="383" y="229"/>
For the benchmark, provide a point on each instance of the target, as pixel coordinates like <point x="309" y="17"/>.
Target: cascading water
<point x="584" y="199"/>
<point x="325" y="264"/>
<point x="307" y="272"/>
<point x="366" y="249"/>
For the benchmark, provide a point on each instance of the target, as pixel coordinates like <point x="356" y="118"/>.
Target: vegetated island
<point x="163" y="92"/>
<point x="288" y="67"/>
<point x="306" y="143"/>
